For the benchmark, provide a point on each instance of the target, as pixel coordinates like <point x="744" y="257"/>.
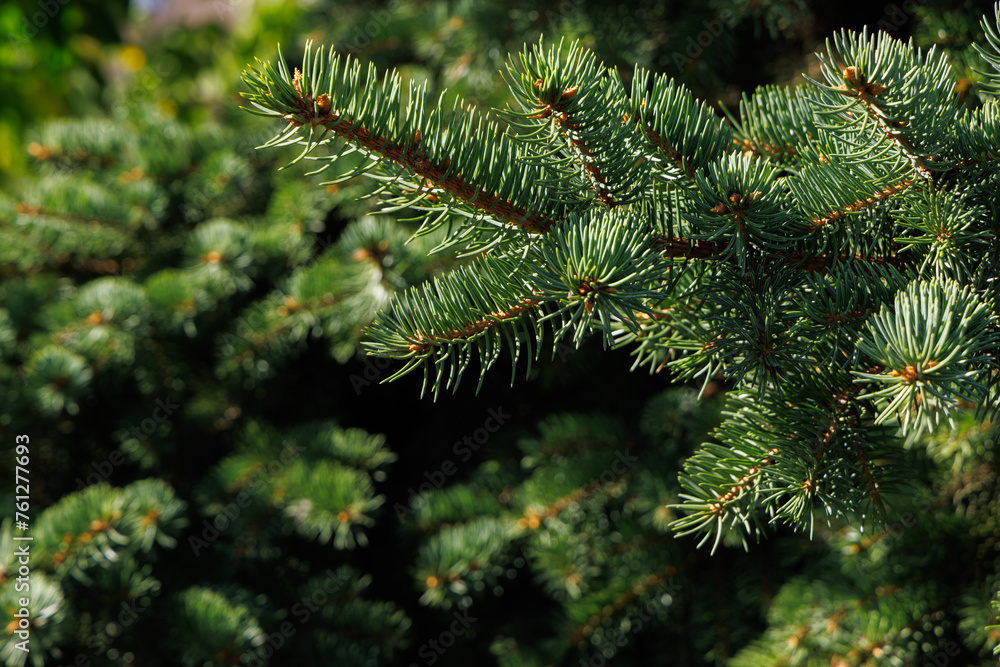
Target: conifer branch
<point x="570" y="107"/>
<point x="721" y="502"/>
<point x="867" y="92"/>
<point x="579" y="633"/>
<point x="423" y="342"/>
<point x="457" y="157"/>
<point x="678" y="130"/>
<point x="776" y="124"/>
<point x="668" y="151"/>
<point x="408" y="154"/>
<point x="810" y="251"/>
<point x="34" y="211"/>
<point x="532" y="518"/>
<point x="685" y="248"/>
<point x="873" y="492"/>
<point x="836" y="216"/>
<point x="758" y="148"/>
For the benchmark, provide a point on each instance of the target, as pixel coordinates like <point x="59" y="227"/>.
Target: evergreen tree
<point x="155" y="278"/>
<point x="178" y="327"/>
<point x="844" y="237"/>
<point x="831" y="255"/>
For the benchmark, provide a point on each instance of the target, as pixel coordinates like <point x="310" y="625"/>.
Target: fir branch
<point x="409" y="155"/>
<point x="873" y="492"/>
<point x="670" y="152"/>
<point x="991" y="52"/>
<point x="763" y="252"/>
<point x="570" y="110"/>
<point x="423" y="342"/>
<point x="934" y="348"/>
<point x="775" y="123"/>
<point x="579" y="633"/>
<point x="679" y="131"/>
<point x="893" y="127"/>
<point x="845" y="211"/>
<point x="720" y="503"/>
<point x="977" y="135"/>
<point x="802" y="260"/>
<point x="458" y="153"/>
<point x="532" y="517"/>
<point x="867" y="92"/>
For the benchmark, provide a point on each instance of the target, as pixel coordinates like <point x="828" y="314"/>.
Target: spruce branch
<point x="881" y="86"/>
<point x="454" y="159"/>
<point x="936" y="347"/>
<point x="800" y="260"/>
<point x="976" y="140"/>
<point x="784" y="460"/>
<point x="583" y="276"/>
<point x="571" y="108"/>
<point x="580" y="632"/>
<point x="887" y="111"/>
<point x="845" y="211"/>
<point x="991" y="53"/>
<point x="742" y="202"/>
<point x="774" y="123"/>
<point x="808" y="252"/>
<point x="682" y="134"/>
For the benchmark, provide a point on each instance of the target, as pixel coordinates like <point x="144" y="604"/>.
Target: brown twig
<point x="413" y="158"/>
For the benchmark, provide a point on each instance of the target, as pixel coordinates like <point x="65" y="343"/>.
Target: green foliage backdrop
<point x="217" y="474"/>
